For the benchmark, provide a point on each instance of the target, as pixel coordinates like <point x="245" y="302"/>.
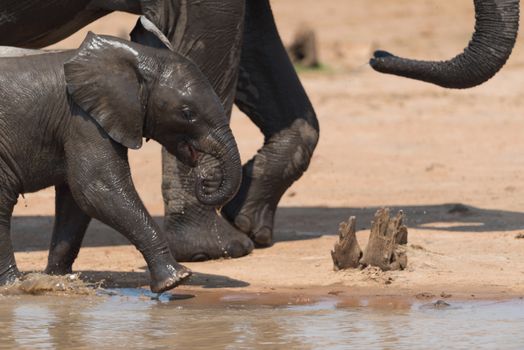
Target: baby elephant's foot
<point x="204" y="235"/>
<point x="57" y="269"/>
<point x="9" y="276"/>
<point x="168" y="276"/>
<point x="62" y="254"/>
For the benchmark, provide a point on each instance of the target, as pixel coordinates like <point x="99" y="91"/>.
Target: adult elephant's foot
<point x="283" y="159"/>
<point x="200" y="234"/>
<point x="166" y="276"/>
<point x="9" y="275"/>
<point x="195" y="232"/>
<point x="253" y="209"/>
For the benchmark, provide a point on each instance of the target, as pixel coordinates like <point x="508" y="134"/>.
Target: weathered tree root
<point x="347" y="252"/>
<point x="384" y="247"/>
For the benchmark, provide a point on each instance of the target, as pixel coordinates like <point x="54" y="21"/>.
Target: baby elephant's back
<point x="18" y="60"/>
<point x="34" y="113"/>
<point x="30" y="75"/>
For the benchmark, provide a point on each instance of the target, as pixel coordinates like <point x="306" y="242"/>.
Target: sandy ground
<point x="385" y="141"/>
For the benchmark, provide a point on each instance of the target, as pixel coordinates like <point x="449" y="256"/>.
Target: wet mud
<point x="42" y="284"/>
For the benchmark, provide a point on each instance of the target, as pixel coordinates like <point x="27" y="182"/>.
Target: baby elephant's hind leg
<point x="8" y="270"/>
<point x="68" y="232"/>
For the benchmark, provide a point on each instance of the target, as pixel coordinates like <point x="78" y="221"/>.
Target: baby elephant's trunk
<point x="219" y="170"/>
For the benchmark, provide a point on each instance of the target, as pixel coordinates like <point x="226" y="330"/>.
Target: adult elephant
<point x="236" y="45"/>
<point x="497" y="23"/>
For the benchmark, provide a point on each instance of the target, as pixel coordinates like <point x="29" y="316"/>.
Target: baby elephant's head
<point x="134" y="91"/>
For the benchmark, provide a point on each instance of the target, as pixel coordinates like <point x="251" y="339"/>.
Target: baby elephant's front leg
<point x="102" y="187"/>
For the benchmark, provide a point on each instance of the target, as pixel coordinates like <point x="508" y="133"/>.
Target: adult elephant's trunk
<point x="219" y="172"/>
<point x="496" y="28"/>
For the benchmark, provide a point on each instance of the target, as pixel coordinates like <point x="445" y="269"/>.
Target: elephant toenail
<point x="235" y="249"/>
<point x="200" y="257"/>
<point x="248" y="245"/>
<point x="263" y="238"/>
<point x="243" y="223"/>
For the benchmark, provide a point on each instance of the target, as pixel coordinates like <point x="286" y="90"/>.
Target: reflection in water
<point x="135" y="320"/>
<point x="30" y="325"/>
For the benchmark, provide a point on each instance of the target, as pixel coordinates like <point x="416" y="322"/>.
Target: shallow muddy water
<point x="132" y="319"/>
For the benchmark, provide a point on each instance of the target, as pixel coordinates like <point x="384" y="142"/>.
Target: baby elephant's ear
<point x="104" y="79"/>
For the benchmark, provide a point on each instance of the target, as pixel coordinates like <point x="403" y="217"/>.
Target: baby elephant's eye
<point x="188" y="114"/>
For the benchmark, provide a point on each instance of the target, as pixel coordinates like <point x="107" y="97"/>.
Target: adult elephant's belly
<point x="39" y="23"/>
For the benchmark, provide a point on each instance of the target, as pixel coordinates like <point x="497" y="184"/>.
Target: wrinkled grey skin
<point x="496" y="28"/>
<point x="235" y="43"/>
<point x="67" y="120"/>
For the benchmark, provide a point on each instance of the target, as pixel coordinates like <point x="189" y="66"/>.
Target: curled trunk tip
<point x="225" y="151"/>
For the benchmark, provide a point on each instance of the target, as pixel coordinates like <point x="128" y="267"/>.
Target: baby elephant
<point x="67" y="120"/>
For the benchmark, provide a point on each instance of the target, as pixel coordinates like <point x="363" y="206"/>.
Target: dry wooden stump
<point x="387" y="234"/>
<point x="384" y="249"/>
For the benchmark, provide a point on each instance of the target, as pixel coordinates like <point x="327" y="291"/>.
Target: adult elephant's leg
<point x="68" y="232"/>
<point x="195" y="232"/>
<point x="210" y="34"/>
<point x="270" y="93"/>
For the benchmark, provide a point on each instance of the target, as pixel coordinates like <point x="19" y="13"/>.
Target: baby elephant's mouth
<point x="187" y="153"/>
